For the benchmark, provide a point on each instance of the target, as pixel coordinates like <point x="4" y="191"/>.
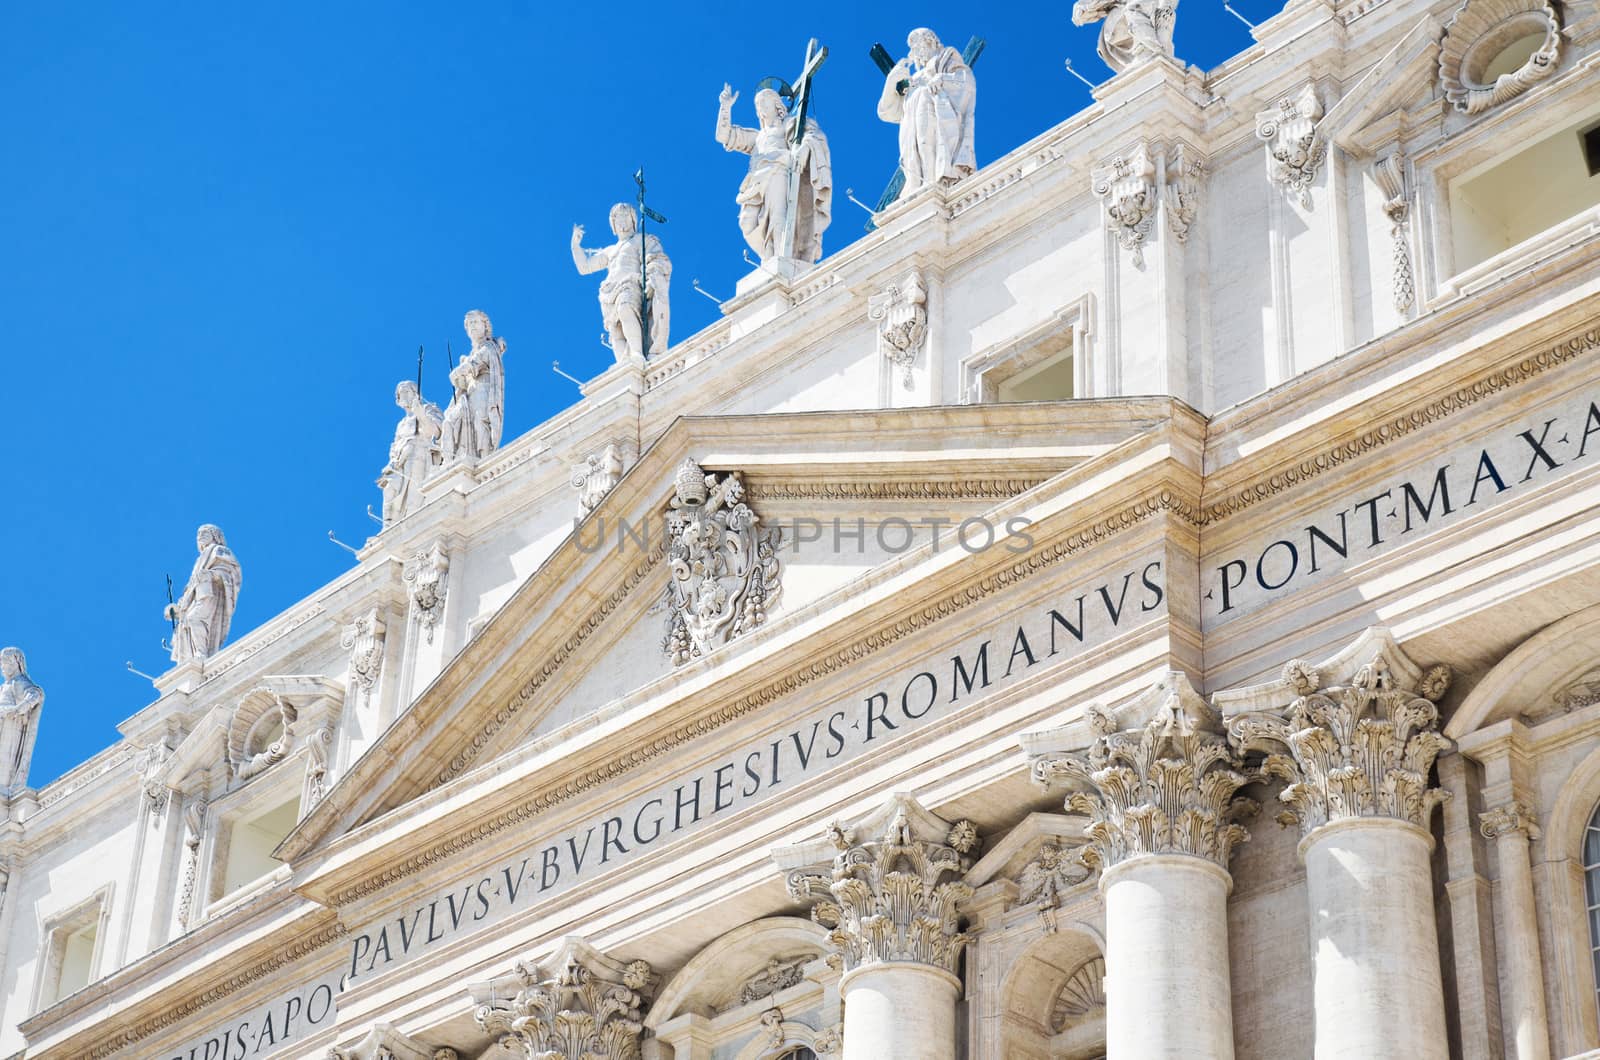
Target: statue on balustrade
<point x="1133" y="30"/>
<point x="933" y="95"/>
<point x="779" y="168"/>
<point x="476" y="416"/>
<point x="634" y="294"/>
<point x="413" y="454"/>
<point x="206" y="607"/>
<point x="20" y="700"/>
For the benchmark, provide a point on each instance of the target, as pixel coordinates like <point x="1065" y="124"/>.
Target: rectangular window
<point x="251" y="841"/>
<point x="71" y="951"/>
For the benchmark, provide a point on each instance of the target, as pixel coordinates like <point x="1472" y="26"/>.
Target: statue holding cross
<point x="932" y="95"/>
<point x="786" y="198"/>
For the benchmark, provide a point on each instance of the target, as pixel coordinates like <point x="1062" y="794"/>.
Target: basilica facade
<point x="1141" y="600"/>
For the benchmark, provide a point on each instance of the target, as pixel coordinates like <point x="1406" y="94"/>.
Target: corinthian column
<point x="1512" y="828"/>
<point x="582" y="1006"/>
<point x="1159" y="789"/>
<point x="888" y="900"/>
<point x="1356" y="758"/>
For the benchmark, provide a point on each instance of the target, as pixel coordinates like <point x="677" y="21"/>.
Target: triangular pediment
<point x="582" y="637"/>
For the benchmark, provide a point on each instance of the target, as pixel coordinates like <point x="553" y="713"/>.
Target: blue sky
<point x="225" y="231"/>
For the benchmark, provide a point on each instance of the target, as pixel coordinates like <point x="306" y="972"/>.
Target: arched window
<point x="1591" y="890"/>
<point x="799" y="1052"/>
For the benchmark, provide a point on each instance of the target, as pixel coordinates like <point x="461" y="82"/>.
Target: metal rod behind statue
<point x="645" y="213"/>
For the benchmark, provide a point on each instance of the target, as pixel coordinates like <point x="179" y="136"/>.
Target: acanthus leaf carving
<point x="597" y="476"/>
<point x="722" y="567"/>
<point x="1126" y="187"/>
<point x="427" y="574"/>
<point x="901" y="312"/>
<point x="588" y="1007"/>
<point x="1295" y="147"/>
<point x="892" y="896"/>
<point x="1168" y="786"/>
<point x="1348" y="751"/>
<point x="1181" y="193"/>
<point x="363" y="638"/>
<point x="1511" y="818"/>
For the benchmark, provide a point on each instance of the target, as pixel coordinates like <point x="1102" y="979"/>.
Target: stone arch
<point x="713" y="976"/>
<point x="1530" y="670"/>
<point x="1053" y="1003"/>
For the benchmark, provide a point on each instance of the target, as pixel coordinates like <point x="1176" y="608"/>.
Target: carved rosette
<point x="363" y="639"/>
<point x="892" y="897"/>
<point x="1359" y="750"/>
<point x="722" y="567"/>
<point x="597" y="476"/>
<point x="1511" y="819"/>
<point x="1390" y="173"/>
<point x="1295" y="148"/>
<point x="901" y="313"/>
<point x="1167" y="787"/>
<point x="590" y="1008"/>
<point x="1126" y="188"/>
<point x="426" y="574"/>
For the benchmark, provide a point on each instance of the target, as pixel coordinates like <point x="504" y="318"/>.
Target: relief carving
<point x="901" y="311"/>
<point x="1295" y="148"/>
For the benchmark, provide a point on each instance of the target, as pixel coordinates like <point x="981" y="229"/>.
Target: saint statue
<point x="413" y="454"/>
<point x="20" y="700"/>
<point x="1134" y="30"/>
<point x="932" y="94"/>
<point x="629" y="295"/>
<point x="476" y="415"/>
<point x="764" y="207"/>
<point x="206" y="606"/>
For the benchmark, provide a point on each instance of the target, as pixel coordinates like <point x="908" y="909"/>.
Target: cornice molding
<point x="910" y="490"/>
<point x="1153" y="503"/>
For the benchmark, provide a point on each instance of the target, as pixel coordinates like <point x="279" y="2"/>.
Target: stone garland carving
<point x="1081" y="996"/>
<point x="1577" y="694"/>
<point x="1052" y="872"/>
<point x="590" y="1008"/>
<point x="194" y="823"/>
<point x="1511" y="818"/>
<point x="597" y="476"/>
<point x="1167" y="787"/>
<point x="901" y="311"/>
<point x="1182" y="191"/>
<point x="1478" y="33"/>
<point x="779" y="974"/>
<point x="722" y="568"/>
<point x="1357" y="750"/>
<point x="363" y="639"/>
<point x="892" y="897"/>
<point x="1127" y="188"/>
<point x="427" y="574"/>
<point x="1390" y="173"/>
<point x="1295" y="148"/>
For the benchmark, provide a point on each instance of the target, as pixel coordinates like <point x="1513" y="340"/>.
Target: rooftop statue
<point x="777" y="165"/>
<point x="933" y="95"/>
<point x="473" y="422"/>
<point x="413" y="454"/>
<point x="1133" y="30"/>
<point x="20" y="700"/>
<point x="206" y="607"/>
<point x="634" y="293"/>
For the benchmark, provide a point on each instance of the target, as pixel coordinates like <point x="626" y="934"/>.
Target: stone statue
<point x="620" y="294"/>
<point x="206" y="606"/>
<point x="763" y="199"/>
<point x="476" y="415"/>
<point x="20" y="700"/>
<point x="1134" y="30"/>
<point x="933" y="95"/>
<point x="413" y="454"/>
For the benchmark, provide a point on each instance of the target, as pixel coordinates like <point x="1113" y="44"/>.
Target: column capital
<point x="1357" y="750"/>
<point x="1509" y="819"/>
<point x="890" y="892"/>
<point x="581" y="1004"/>
<point x="1164" y="784"/>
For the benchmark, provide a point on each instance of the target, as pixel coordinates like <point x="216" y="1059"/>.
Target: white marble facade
<point x="1142" y="600"/>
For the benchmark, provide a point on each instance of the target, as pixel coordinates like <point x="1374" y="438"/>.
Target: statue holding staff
<point x="476" y="416"/>
<point x="206" y="607"/>
<point x="20" y="700"/>
<point x="413" y="454"/>
<point x="634" y="294"/>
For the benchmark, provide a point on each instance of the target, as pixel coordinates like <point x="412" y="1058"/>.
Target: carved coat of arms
<point x="722" y="567"/>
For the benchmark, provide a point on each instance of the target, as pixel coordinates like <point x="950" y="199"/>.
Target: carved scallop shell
<point x="1083" y="994"/>
<point x="1479" y="33"/>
